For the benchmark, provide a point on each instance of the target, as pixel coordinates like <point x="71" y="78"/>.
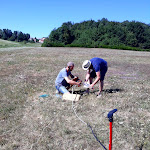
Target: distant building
<point x="42" y="40"/>
<point x="37" y="40"/>
<point x="33" y="40"/>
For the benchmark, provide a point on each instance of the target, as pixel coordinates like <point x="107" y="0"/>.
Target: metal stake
<point x="110" y="117"/>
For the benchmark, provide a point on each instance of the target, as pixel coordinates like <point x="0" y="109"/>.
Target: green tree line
<point x="18" y="36"/>
<point x="101" y="33"/>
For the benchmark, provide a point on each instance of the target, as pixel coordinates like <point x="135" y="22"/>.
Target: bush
<point x="51" y="44"/>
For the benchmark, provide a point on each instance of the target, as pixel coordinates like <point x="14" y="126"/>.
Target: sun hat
<point x="70" y="64"/>
<point x="86" y="64"/>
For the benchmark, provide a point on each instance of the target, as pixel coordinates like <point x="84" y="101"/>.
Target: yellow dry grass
<point x="30" y="122"/>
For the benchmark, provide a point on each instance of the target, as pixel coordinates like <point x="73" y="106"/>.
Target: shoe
<point x="99" y="95"/>
<point x="58" y="96"/>
<point x="57" y="92"/>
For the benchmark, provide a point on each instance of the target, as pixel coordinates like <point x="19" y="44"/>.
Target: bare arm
<point x="72" y="76"/>
<point x="87" y="75"/>
<point x="97" y="79"/>
<point x="72" y="82"/>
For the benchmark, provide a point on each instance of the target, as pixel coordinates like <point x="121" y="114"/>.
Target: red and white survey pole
<point x="110" y="117"/>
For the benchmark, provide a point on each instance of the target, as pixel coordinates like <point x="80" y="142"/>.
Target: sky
<point x="39" y="17"/>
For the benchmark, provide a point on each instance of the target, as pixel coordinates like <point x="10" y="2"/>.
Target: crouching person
<point x="62" y="82"/>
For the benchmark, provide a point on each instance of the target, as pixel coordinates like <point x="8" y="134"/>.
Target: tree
<point x="54" y="36"/>
<point x="66" y="36"/>
<point x="27" y="36"/>
<point x="1" y="33"/>
<point x="131" y="39"/>
<point x="101" y="33"/>
<point x="6" y="34"/>
<point x="20" y="37"/>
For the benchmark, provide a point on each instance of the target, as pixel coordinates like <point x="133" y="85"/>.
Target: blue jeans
<point x="62" y="89"/>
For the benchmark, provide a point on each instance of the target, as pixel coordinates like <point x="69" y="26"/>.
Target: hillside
<point x="101" y="34"/>
<point x="6" y="43"/>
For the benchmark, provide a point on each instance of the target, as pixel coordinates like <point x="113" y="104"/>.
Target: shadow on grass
<point x="113" y="90"/>
<point x="82" y="92"/>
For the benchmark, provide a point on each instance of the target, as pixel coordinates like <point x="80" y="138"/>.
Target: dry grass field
<point x="30" y="122"/>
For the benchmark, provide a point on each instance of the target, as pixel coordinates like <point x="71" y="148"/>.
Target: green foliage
<point x="1" y="33"/>
<point x="7" y="34"/>
<point x="103" y="33"/>
<point x="48" y="43"/>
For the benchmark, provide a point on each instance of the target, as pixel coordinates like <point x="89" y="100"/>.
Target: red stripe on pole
<point x="110" y="136"/>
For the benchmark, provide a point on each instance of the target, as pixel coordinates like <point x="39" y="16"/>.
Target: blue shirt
<point x="98" y="64"/>
<point x="61" y="76"/>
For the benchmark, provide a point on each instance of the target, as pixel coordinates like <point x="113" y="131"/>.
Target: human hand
<point x="79" y="81"/>
<point x="79" y="84"/>
<point x="91" y="87"/>
<point x="75" y="78"/>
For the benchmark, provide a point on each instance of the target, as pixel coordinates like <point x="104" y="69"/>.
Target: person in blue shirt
<point x="63" y="82"/>
<point x="96" y="67"/>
